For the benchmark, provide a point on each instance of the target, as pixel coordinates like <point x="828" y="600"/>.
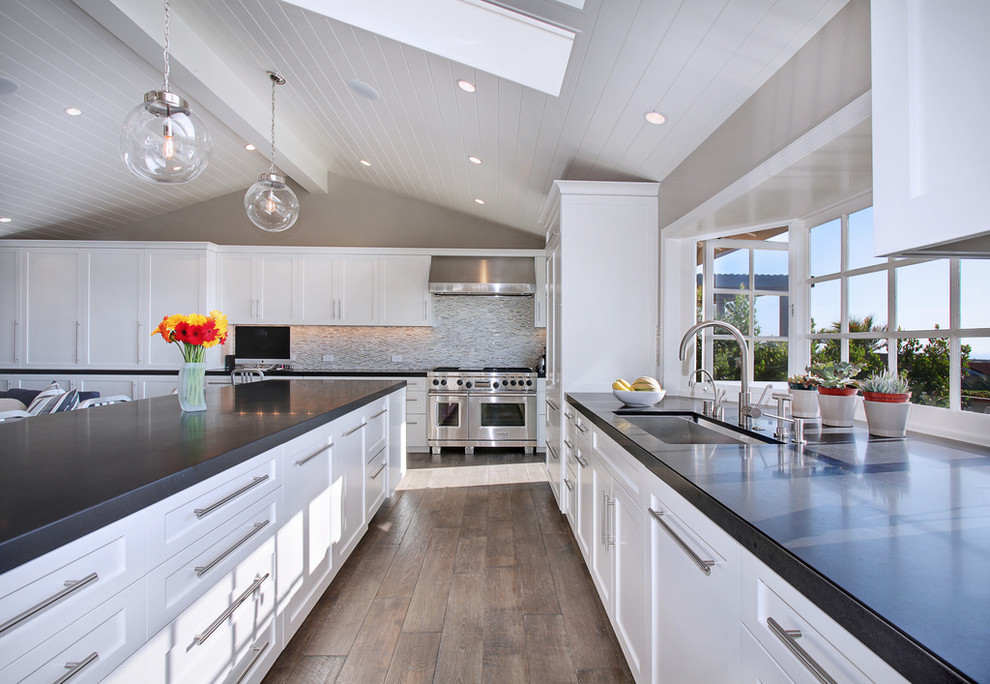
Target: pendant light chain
<point x="274" y="78"/>
<point x="165" y="88"/>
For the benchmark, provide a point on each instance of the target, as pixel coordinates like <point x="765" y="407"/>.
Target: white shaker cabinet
<point x="347" y="502"/>
<point x="257" y="288"/>
<point x="405" y="290"/>
<point x="10" y="307"/>
<point x="540" y="298"/>
<point x="317" y="298"/>
<point x="180" y="281"/>
<point x="357" y="290"/>
<point x="931" y="144"/>
<point x="55" y="301"/>
<point x="116" y="329"/>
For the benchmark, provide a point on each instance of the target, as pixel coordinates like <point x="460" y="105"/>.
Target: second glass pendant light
<point x="270" y="203"/>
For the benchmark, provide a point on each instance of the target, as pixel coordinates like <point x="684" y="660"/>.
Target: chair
<point x="13" y="414"/>
<point x="103" y="401"/>
<point x="240" y="376"/>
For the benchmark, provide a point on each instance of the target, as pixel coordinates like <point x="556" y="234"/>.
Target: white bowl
<point x="635" y="398"/>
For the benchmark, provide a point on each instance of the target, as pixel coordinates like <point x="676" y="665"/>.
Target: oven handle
<point x="502" y="394"/>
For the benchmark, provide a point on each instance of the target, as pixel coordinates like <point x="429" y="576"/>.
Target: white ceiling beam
<point x="238" y="98"/>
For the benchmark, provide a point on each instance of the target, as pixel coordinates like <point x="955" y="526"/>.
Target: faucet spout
<point x="746" y="410"/>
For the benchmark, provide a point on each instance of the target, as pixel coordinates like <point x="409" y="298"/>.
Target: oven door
<point x="503" y="418"/>
<point x="448" y="417"/>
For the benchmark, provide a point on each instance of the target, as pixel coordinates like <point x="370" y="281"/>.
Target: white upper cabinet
<point x="179" y="282"/>
<point x="931" y="144"/>
<point x="10" y="314"/>
<point x="54" y="307"/>
<point x="405" y="290"/>
<point x="540" y="298"/>
<point x="257" y="288"/>
<point x="115" y="327"/>
<point x="357" y="291"/>
<point x="317" y="303"/>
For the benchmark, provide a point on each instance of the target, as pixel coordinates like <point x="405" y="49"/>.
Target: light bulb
<point x="163" y="142"/>
<point x="271" y="204"/>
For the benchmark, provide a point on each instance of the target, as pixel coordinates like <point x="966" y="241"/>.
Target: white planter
<point x="887" y="419"/>
<point x="804" y="403"/>
<point x="837" y="409"/>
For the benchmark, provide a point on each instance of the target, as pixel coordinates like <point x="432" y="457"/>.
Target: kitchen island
<point x="889" y="538"/>
<point x="140" y="518"/>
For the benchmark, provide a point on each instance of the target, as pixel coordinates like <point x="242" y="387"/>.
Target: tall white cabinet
<point x="601" y="284"/>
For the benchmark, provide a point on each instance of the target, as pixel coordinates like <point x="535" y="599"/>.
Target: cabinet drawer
<point x="415" y="402"/>
<point x="800" y="637"/>
<point x="376" y="433"/>
<point x="415" y="431"/>
<point x="178" y="521"/>
<point x="47" y="594"/>
<point x="214" y="639"/>
<point x="182" y="579"/>
<point x="375" y="486"/>
<point x="415" y="385"/>
<point x="90" y="647"/>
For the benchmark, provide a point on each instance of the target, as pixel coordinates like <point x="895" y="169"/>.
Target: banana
<point x="621" y="385"/>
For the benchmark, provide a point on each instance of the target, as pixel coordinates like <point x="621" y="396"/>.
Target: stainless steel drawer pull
<point x="610" y="521"/>
<point x="383" y="411"/>
<point x="704" y="565"/>
<point x="258" y="651"/>
<point x="379" y="471"/>
<point x="71" y="586"/>
<point x="567" y="482"/>
<point x="355" y="429"/>
<point x="552" y="405"/>
<point x="582" y="427"/>
<point x="75" y="668"/>
<point x="203" y="569"/>
<point x="581" y="462"/>
<point x="568" y="444"/>
<point x="202" y="512"/>
<point x="200" y="638"/>
<point x="313" y="455"/>
<point x="603" y="522"/>
<point x="789" y="637"/>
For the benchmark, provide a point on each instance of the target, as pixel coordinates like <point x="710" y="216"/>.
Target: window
<point x="744" y="281"/>
<point x="926" y="318"/>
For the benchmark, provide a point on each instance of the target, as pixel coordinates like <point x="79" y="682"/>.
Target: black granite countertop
<point x="65" y="475"/>
<point x="889" y="537"/>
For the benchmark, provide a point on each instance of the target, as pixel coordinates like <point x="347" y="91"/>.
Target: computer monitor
<point x="263" y="345"/>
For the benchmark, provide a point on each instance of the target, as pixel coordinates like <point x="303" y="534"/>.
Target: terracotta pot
<point x="838" y="404"/>
<point x="887" y="415"/>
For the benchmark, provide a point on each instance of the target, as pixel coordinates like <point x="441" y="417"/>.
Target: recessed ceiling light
<point x="466" y="86"/>
<point x="73" y="111"/>
<point x="363" y="89"/>
<point x="655" y="118"/>
<point x="365" y="162"/>
<point x="5" y="219"/>
<point x="250" y="148"/>
<point x="478" y="200"/>
<point x="474" y="160"/>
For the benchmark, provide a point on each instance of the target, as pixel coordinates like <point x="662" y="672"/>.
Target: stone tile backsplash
<point x="467" y="331"/>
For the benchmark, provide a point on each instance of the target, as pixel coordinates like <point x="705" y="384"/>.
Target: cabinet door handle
<point x="552" y="452"/>
<point x="602" y="522"/>
<point x="202" y="512"/>
<point x="75" y="668"/>
<point x="582" y="427"/>
<point x="71" y="586"/>
<point x="552" y="405"/>
<point x="570" y="487"/>
<point x="790" y="637"/>
<point x="384" y="410"/>
<point x="304" y="461"/>
<point x="258" y="650"/>
<point x="610" y="521"/>
<point x="203" y="569"/>
<point x="581" y="462"/>
<point x="17" y="327"/>
<point x="78" y="345"/>
<point x="379" y="471"/>
<point x="200" y="638"/>
<point x="140" y="341"/>
<point x="704" y="565"/>
<point x="355" y="429"/>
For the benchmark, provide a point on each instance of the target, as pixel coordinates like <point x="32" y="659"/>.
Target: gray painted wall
<point x="352" y="214"/>
<point x="830" y="71"/>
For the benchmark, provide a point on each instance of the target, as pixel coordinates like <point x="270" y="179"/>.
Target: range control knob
<point x="529" y="383"/>
<point x="443" y="382"/>
<point x="513" y="383"/>
<point x="460" y="382"/>
<point x="468" y="384"/>
<point x="436" y="382"/>
<point x="495" y="384"/>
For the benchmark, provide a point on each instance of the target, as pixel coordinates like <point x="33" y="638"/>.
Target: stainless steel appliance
<point x="471" y="407"/>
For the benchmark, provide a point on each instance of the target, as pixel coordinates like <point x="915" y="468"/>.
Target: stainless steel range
<point x="471" y="407"/>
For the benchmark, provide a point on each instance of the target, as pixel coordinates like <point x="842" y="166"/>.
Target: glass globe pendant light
<point x="270" y="203"/>
<point x="162" y="141"/>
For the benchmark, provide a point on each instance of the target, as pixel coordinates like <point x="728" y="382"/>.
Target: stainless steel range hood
<point x="491" y="276"/>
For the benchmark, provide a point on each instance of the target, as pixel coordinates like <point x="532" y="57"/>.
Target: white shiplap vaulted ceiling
<point x="695" y="61"/>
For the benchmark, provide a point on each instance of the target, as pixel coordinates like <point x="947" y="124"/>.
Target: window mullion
<point x="844" y="287"/>
<point x="955" y="342"/>
<point x="891" y="317"/>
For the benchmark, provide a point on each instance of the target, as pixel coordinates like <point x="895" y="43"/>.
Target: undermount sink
<point x="690" y="428"/>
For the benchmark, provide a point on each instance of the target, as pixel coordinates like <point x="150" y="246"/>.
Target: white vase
<point x="837" y="409"/>
<point x="804" y="403"/>
<point x="887" y="419"/>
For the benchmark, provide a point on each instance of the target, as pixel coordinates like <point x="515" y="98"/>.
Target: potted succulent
<point x="804" y="395"/>
<point x="887" y="401"/>
<point x="837" y="392"/>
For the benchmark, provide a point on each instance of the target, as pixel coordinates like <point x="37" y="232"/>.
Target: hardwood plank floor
<point x="454" y="583"/>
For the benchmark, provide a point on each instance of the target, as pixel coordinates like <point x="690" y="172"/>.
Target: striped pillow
<point x="53" y="390"/>
<point x="60" y="402"/>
